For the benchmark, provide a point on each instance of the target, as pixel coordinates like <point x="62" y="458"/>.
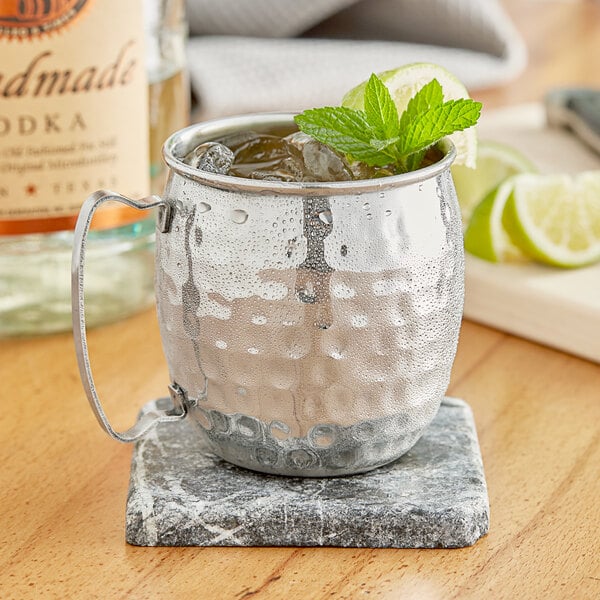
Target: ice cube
<point x="267" y="157"/>
<point x="321" y="163"/>
<point x="237" y="140"/>
<point x="211" y="157"/>
<point x="263" y="149"/>
<point x="288" y="169"/>
<point x="362" y="171"/>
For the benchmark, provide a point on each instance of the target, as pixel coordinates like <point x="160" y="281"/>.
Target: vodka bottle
<point x="89" y="90"/>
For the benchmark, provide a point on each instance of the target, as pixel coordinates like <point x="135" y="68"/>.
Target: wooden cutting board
<point x="556" y="307"/>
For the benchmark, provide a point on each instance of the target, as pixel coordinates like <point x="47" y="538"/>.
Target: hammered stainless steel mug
<point x="309" y="328"/>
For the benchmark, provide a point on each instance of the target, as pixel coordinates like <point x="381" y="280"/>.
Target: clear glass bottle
<point x="35" y="267"/>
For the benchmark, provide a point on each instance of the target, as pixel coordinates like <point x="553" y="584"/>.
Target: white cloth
<point x="242" y="57"/>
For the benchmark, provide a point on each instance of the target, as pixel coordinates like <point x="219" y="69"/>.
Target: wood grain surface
<point x="63" y="482"/>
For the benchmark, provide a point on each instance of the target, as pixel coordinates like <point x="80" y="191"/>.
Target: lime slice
<point x="495" y="162"/>
<point x="556" y="218"/>
<point x="404" y="82"/>
<point x="485" y="236"/>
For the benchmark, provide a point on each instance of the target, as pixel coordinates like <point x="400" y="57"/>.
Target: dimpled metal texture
<point x="312" y="334"/>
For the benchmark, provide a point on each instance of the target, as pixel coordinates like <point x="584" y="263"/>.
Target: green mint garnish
<point x="378" y="136"/>
<point x="380" y="110"/>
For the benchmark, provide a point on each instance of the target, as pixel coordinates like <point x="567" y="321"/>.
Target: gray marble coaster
<point x="434" y="496"/>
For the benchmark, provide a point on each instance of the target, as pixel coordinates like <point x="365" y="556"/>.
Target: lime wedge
<point x="485" y="236"/>
<point x="495" y="162"/>
<point x="404" y="82"/>
<point x="556" y="218"/>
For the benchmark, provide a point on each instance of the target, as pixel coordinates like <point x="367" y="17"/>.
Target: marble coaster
<point x="434" y="496"/>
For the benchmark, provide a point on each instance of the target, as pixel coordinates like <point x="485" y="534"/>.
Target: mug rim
<point x="181" y="142"/>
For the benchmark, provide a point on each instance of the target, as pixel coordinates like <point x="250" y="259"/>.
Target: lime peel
<point x="485" y="236"/>
<point x="555" y="219"/>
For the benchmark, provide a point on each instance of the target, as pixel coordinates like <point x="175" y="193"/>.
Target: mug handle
<point x="152" y="418"/>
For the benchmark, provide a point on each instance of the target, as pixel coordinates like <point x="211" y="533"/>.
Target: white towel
<point x="244" y="55"/>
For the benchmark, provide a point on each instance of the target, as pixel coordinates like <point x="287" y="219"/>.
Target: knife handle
<point x="577" y="109"/>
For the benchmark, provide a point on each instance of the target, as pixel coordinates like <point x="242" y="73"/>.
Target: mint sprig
<point x="379" y="136"/>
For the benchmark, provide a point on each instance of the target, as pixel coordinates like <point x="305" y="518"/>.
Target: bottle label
<point x="73" y="111"/>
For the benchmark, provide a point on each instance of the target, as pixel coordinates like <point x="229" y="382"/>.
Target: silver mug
<point x="309" y="328"/>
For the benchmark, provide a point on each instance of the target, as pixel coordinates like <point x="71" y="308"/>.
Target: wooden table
<point x="64" y="482"/>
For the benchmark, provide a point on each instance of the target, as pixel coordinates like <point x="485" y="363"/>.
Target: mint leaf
<point x="436" y="123"/>
<point x="345" y="130"/>
<point x="380" y="109"/>
<point x="379" y="137"/>
<point x="428" y="97"/>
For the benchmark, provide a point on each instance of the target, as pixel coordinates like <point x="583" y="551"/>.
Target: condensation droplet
<point x="369" y="216"/>
<point x="289" y="249"/>
<point x="326" y="217"/>
<point x="239" y="216"/>
<point x="366" y="206"/>
<point x="253" y="350"/>
<point x="388" y="212"/>
<point x="259" y="319"/>
<point x="203" y="207"/>
<point x="221" y="344"/>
